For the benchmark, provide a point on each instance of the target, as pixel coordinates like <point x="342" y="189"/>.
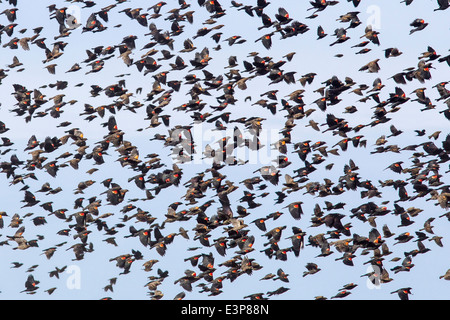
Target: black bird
<point x="11" y="14"/>
<point x="295" y="209"/>
<point x="29" y="199"/>
<point x="320" y="33"/>
<point x="443" y="5"/>
<point x="31" y="285"/>
<point x="403" y="293"/>
<point x="418" y="24"/>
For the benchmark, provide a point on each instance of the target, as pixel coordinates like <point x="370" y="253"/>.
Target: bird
<point x="312" y="269"/>
<point x="341" y="35"/>
<point x="372" y="66"/>
<point x="418" y="25"/>
<point x="281" y="275"/>
<point x="443" y="5"/>
<point x="295" y="209"/>
<point x="31" y="285"/>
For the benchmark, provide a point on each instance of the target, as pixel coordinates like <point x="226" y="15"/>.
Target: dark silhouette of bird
<point x="312" y="269"/>
<point x="31" y="285"/>
<point x="443" y="5"/>
<point x="418" y="25"/>
<point x="341" y="294"/>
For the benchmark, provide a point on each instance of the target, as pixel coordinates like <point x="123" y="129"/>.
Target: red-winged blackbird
<point x="60" y="15"/>
<point x="312" y="269"/>
<point x="29" y="199"/>
<point x="445" y="276"/>
<point x="216" y="225"/>
<point x="281" y="275"/>
<point x="260" y="223"/>
<point x="256" y="296"/>
<point x="341" y="294"/>
<point x="396" y="167"/>
<point x="403" y="293"/>
<point x="404" y="237"/>
<point x="31" y="285"/>
<point x="295" y="209"/>
<point x="443" y="5"/>
<point x="278" y="291"/>
<point x="418" y="24"/>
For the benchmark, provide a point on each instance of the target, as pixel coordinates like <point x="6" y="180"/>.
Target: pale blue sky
<point x="392" y="19"/>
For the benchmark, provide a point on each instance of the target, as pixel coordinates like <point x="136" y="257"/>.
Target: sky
<point x="85" y="279"/>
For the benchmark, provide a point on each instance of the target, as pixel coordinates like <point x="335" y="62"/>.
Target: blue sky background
<point x="311" y="56"/>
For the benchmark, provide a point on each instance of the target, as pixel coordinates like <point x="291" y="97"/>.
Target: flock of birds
<point x="226" y="231"/>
